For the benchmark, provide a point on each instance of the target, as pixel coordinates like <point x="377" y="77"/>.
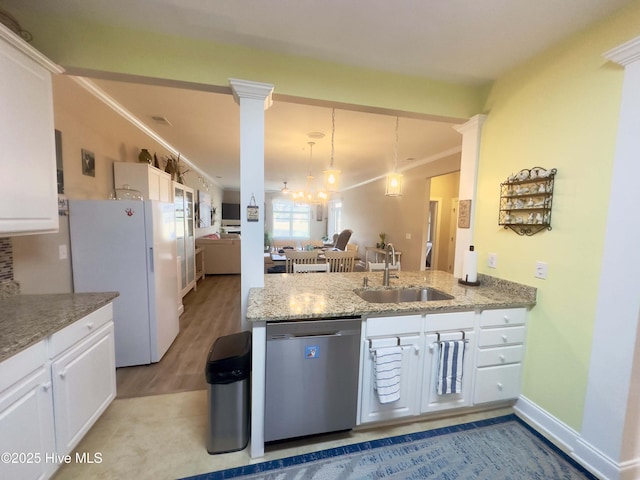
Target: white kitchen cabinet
<point x="153" y="183"/>
<point x="183" y="198"/>
<point x="26" y="415"/>
<point x="386" y="332"/>
<point x="29" y="194"/>
<point x="499" y="356"/>
<point x="446" y="327"/>
<point x="83" y="374"/>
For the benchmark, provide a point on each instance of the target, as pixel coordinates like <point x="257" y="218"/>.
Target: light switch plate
<point x="62" y="252"/>
<point x="542" y="270"/>
<point x="492" y="261"/>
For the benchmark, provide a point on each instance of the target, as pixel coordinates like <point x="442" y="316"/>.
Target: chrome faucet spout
<point x="388" y="249"/>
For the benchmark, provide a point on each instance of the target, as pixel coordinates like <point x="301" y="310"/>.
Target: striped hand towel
<point x="387" y="369"/>
<point x="450" y="368"/>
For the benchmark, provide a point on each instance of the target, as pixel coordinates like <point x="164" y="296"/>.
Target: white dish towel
<point x="450" y="367"/>
<point x="387" y="371"/>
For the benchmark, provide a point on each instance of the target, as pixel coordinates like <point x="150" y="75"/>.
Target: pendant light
<point x="394" y="180"/>
<point x="332" y="176"/>
<point x="310" y="193"/>
<point x="284" y="190"/>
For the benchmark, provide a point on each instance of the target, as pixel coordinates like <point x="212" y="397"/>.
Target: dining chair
<point x="379" y="266"/>
<point x="301" y="257"/>
<point x="340" y="261"/>
<point x="352" y="247"/>
<point x="310" y="267"/>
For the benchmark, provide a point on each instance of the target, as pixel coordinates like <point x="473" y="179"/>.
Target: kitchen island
<point x="289" y="297"/>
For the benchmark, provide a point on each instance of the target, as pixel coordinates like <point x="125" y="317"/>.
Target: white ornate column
<point x="468" y="183"/>
<point x="610" y="437"/>
<point x="254" y="98"/>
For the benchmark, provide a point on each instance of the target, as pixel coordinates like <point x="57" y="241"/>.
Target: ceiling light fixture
<point x="332" y="176"/>
<point x="310" y="193"/>
<point x="394" y="180"/>
<point x="284" y="190"/>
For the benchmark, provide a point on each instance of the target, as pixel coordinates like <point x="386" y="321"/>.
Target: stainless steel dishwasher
<point x="311" y="377"/>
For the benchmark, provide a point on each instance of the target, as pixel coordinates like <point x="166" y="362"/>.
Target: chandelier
<point x="394" y="179"/>
<point x="332" y="176"/>
<point x="310" y="193"/>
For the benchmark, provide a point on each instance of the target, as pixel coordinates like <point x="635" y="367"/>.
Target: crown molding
<point x="19" y="44"/>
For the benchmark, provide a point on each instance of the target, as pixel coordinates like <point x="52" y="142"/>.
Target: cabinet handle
<point x="90" y="326"/>
<point x="417" y="348"/>
<point x="499" y="386"/>
<point x="502" y="358"/>
<point x="506" y="319"/>
<point x="504" y="338"/>
<point x="46" y="386"/>
<point x="63" y="374"/>
<point x="432" y="346"/>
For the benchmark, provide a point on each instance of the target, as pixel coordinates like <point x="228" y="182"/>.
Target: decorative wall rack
<point x="525" y="201"/>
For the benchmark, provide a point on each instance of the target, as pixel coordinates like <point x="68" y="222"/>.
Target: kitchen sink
<point x="401" y="295"/>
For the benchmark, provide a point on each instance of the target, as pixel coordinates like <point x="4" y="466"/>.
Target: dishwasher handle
<point x="298" y="336"/>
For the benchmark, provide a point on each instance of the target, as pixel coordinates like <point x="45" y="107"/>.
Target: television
<point x="230" y="211"/>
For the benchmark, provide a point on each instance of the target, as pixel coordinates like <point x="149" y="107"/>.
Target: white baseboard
<point x="567" y="439"/>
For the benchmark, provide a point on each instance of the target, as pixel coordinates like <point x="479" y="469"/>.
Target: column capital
<point x="624" y="54"/>
<point x="474" y="122"/>
<point x="254" y="90"/>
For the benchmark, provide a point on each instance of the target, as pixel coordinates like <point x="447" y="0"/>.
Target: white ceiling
<point x="462" y="41"/>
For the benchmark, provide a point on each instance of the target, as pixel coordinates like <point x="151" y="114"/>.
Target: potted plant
<point x="383" y="240"/>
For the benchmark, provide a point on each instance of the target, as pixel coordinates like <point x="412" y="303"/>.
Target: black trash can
<point x="228" y="369"/>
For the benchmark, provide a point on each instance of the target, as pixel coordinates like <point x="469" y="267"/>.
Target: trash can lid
<point x="229" y="359"/>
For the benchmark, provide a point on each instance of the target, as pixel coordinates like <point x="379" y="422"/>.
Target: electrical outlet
<point x="407" y="236"/>
<point x="492" y="261"/>
<point x="62" y="252"/>
<point x="542" y="269"/>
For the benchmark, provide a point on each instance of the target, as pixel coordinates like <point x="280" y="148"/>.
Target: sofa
<point x="221" y="253"/>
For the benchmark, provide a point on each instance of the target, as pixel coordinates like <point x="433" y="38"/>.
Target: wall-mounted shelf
<point x="526" y="199"/>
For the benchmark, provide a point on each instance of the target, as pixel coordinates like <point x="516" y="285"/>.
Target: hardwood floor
<point x="210" y="312"/>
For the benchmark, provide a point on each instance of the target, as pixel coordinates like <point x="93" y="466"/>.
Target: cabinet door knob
<point x="502" y="358"/>
<point x="499" y="386"/>
<point x="506" y="319"/>
<point x="504" y="338"/>
<point x="46" y="386"/>
<point x="90" y="325"/>
<point x="417" y="348"/>
<point x="63" y="374"/>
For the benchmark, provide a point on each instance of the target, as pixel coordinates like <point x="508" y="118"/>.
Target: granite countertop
<point x="316" y="295"/>
<point x="27" y="319"/>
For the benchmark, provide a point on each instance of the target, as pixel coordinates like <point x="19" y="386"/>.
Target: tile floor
<point x="164" y="437"/>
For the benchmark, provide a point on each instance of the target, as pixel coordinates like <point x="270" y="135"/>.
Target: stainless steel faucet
<point x="385" y="275"/>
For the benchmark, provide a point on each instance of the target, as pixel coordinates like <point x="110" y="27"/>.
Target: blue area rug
<point x="503" y="448"/>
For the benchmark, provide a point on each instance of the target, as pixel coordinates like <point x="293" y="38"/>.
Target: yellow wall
<point x="146" y="52"/>
<point x="559" y="110"/>
<point x="445" y="189"/>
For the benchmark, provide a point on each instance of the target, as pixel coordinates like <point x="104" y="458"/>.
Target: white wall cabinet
<point x="29" y="194"/>
<point x="500" y="353"/>
<point x="26" y="415"/>
<point x="53" y="392"/>
<point x="183" y="198"/>
<point x="153" y="183"/>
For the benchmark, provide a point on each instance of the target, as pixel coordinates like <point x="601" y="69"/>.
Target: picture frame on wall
<point x="88" y="163"/>
<point x="319" y="209"/>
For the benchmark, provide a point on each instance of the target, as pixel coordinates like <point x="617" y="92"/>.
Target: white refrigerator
<point x="129" y="247"/>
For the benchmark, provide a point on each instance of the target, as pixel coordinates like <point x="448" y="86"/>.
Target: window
<point x="334" y="220"/>
<point x="291" y="220"/>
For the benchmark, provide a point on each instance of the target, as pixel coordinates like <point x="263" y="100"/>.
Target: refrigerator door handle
<point x="151" y="259"/>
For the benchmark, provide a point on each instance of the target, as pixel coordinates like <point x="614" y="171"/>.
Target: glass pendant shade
<point x="332" y="180"/>
<point x="394" y="185"/>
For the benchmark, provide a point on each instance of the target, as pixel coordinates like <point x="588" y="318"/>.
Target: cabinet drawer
<point x="449" y="321"/>
<point x="503" y="317"/>
<point x="75" y="332"/>
<point x="501" y="336"/>
<point x="391" y="326"/>
<point x="499" y="356"/>
<point x="497" y="383"/>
